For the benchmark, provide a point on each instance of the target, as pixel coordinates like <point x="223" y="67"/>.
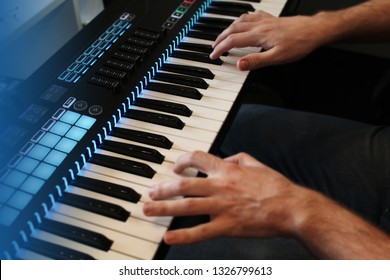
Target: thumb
<point x="256" y="60"/>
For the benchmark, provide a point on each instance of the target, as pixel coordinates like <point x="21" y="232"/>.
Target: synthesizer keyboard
<point x="105" y="118"/>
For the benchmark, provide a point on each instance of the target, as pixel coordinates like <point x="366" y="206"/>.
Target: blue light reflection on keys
<point x="35" y="165"/>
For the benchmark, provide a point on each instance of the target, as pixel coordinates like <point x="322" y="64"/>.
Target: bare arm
<point x="246" y="198"/>
<point x="287" y="39"/>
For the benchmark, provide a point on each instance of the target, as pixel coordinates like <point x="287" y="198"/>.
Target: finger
<point x="244" y="159"/>
<point x="199" y="160"/>
<point x="258" y="60"/>
<point x="180" y="207"/>
<point x="182" y="187"/>
<point x="233" y="28"/>
<point x="237" y="40"/>
<point x="196" y="234"/>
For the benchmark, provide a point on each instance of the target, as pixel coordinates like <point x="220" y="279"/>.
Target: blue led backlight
<point x="15" y="178"/>
<point x="44" y="171"/>
<point x="85" y="122"/>
<point x="5" y="193"/>
<point x="55" y="158"/>
<point x="76" y="133"/>
<point x="32" y="185"/>
<point x="60" y="128"/>
<point x="39" y="152"/>
<point x="8" y="215"/>
<point x="70" y="117"/>
<point x="27" y="165"/>
<point x="19" y="200"/>
<point x="66" y="145"/>
<point x="50" y="140"/>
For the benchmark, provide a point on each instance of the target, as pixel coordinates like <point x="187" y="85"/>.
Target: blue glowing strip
<point x="59" y="190"/>
<point x="45" y="208"/>
<point x="38" y="217"/>
<point x="71" y="174"/>
<point x="16" y="246"/>
<point x="31" y="226"/>
<point x="24" y="236"/>
<point x="77" y="166"/>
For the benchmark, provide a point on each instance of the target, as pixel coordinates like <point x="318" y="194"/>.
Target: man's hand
<point x="284" y="39"/>
<point x="242" y="196"/>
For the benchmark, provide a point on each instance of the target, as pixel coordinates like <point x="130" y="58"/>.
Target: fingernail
<point x="243" y="65"/>
<point x="152" y="193"/>
<point x="147" y="208"/>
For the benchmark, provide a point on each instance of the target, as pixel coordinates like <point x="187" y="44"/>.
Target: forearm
<point x="364" y="22"/>
<point x="332" y="232"/>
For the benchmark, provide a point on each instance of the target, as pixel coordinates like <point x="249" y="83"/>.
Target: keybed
<point x="139" y="237"/>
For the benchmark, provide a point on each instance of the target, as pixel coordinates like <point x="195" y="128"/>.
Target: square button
<point x="85" y="122"/>
<point x="8" y="215"/>
<point x="70" y="117"/>
<point x="44" y="171"/>
<point x="5" y="193"/>
<point x="19" y="200"/>
<point x="55" y="157"/>
<point x="76" y="133"/>
<point x="32" y="185"/>
<point x="60" y="128"/>
<point x="66" y="145"/>
<point x="50" y="140"/>
<point x="27" y="165"/>
<point x="39" y="152"/>
<point x="15" y="178"/>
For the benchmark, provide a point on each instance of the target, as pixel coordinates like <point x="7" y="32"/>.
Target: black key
<point x="133" y="151"/>
<point x="200" y="57"/>
<point x="209" y="28"/>
<point x="196" y="47"/>
<point x="216" y="21"/>
<point x="128" y="57"/>
<point x="107" y="188"/>
<point x="54" y="251"/>
<point x="175" y="90"/>
<point x="235" y="12"/>
<point x="142" y="137"/>
<point x="163" y="106"/>
<point x="225" y="4"/>
<point x="156" y="118"/>
<point x="87" y="237"/>
<point x="141" y="51"/>
<point x="111" y="84"/>
<point x="181" y="80"/>
<point x="112" y="73"/>
<point x="95" y="206"/>
<point x="210" y="36"/>
<point x="125" y="66"/>
<point x="125" y="165"/>
<point x="189" y="70"/>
